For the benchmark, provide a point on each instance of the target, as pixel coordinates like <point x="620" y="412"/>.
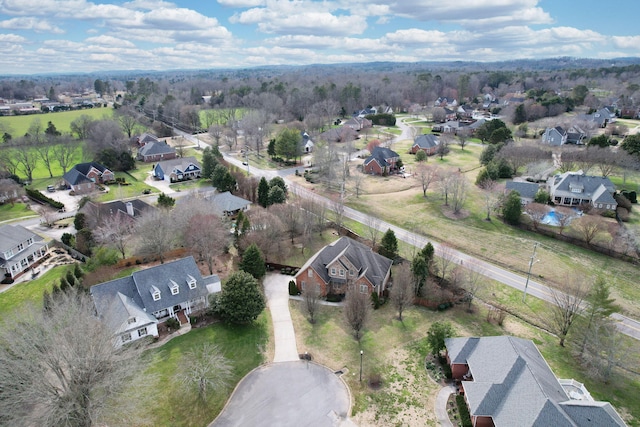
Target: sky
<point x="69" y="36"/>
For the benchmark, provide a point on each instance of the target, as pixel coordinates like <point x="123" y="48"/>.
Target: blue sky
<point x="41" y="36"/>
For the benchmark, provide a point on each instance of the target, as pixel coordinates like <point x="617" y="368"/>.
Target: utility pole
<point x="531" y="261"/>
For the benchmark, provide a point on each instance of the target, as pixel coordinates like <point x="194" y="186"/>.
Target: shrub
<point x="172" y="323"/>
<point x="447" y="371"/>
<point x="375" y="300"/>
<point x="465" y="418"/>
<point x="334" y="297"/>
<point x="67" y="239"/>
<point x="36" y="195"/>
<point x="293" y="288"/>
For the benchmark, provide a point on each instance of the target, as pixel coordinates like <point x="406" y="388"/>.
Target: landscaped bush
<point x="172" y="323"/>
<point x="375" y="300"/>
<point x="465" y="418"/>
<point x="334" y="298"/>
<point x="35" y="194"/>
<point x="293" y="288"/>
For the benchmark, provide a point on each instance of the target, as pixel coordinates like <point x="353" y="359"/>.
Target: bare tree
<point x="472" y="281"/>
<point x="403" y="290"/>
<point x="536" y="212"/>
<point x="204" y="369"/>
<point x="357" y="309"/>
<point x="459" y="187"/>
<point x="156" y="233"/>
<point x="490" y="195"/>
<point x="446" y="259"/>
<point x="206" y="237"/>
<point x="25" y="157"/>
<point x="589" y="226"/>
<point x="10" y="190"/>
<point x="127" y="117"/>
<point x="358" y="182"/>
<point x="564" y="216"/>
<point x="604" y="348"/>
<point x="311" y="302"/>
<point x="216" y="132"/>
<point x="47" y="215"/>
<point x="338" y="211"/>
<point x="266" y="232"/>
<point x="44" y="148"/>
<point x="64" y="151"/>
<point x="463" y="138"/>
<point x="289" y="214"/>
<point x="426" y="175"/>
<point x="67" y="378"/>
<point x="116" y="231"/>
<point x="567" y="306"/>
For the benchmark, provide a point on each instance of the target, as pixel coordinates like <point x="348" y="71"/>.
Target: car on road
<point x="51" y="188"/>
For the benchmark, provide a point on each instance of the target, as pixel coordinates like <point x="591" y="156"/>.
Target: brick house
<point x="83" y="177"/>
<point x="381" y="161"/>
<point x="342" y="263"/>
<point x="156" y="151"/>
<point x="427" y="143"/>
<point x="506" y="382"/>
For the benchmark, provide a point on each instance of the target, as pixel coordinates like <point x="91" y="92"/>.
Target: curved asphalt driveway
<point x="289" y="391"/>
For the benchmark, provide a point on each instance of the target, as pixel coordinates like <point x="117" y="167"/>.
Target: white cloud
<point x="12" y="38"/>
<point x="37" y="25"/>
<point x="109" y="41"/>
<point x="242" y="3"/>
<point x="627" y="42"/>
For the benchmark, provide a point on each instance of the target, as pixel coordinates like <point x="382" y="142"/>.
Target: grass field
<point x="397" y="352"/>
<point x="30" y="292"/>
<point x="19" y="125"/>
<point x="18" y="210"/>
<point x="244" y="346"/>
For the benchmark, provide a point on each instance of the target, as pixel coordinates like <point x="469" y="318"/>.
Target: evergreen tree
<point x="165" y="201"/>
<point x="240" y="300"/>
<point x="77" y="271"/>
<point x="209" y="162"/>
<point x="438" y="332"/>
<point x="222" y="179"/>
<point x="71" y="279"/>
<point x="46" y="301"/>
<point x="276" y="195"/>
<point x="601" y="306"/>
<point x="279" y="182"/>
<point x="80" y="221"/>
<point x="263" y="192"/>
<point x="253" y="262"/>
<point x="512" y="208"/>
<point x="389" y="245"/>
<point x="520" y="116"/>
<point x="64" y="284"/>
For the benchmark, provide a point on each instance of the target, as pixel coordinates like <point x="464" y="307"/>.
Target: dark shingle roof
<point x="156" y="147"/>
<point x="12" y="235"/>
<point x="227" y="202"/>
<point x="373" y="266"/>
<point x="180" y="164"/>
<point x="426" y="141"/>
<point x="381" y="154"/>
<point x="527" y="190"/>
<point x="75" y="177"/>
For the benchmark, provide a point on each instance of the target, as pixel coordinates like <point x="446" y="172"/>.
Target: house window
<point x="310" y="272"/>
<point x="156" y="296"/>
<point x="341" y="272"/>
<point x="30" y="241"/>
<point x="126" y="338"/>
<point x="175" y="290"/>
<point x="20" y="247"/>
<point x="364" y="289"/>
<point x="333" y="271"/>
<point x="142" y="332"/>
<point x="303" y="285"/>
<point x="352" y="273"/>
<point x="8" y="254"/>
<point x="131" y="320"/>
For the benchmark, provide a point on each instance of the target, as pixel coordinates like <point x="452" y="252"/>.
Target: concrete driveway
<point x="276" y="289"/>
<point x="288" y="394"/>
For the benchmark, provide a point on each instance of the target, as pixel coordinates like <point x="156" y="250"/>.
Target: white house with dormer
<point x="19" y="249"/>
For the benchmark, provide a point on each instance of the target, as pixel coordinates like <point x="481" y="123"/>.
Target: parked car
<point x="51" y="188"/>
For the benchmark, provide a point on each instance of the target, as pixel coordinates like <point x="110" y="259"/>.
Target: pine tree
<point x="253" y="262"/>
<point x="389" y="245"/>
<point x="263" y="192"/>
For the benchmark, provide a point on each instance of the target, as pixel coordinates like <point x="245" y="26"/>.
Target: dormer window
<point x="191" y="281"/>
<point x="175" y="289"/>
<point x="155" y="293"/>
<point x="131" y="320"/>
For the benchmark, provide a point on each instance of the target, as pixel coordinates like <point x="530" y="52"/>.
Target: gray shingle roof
<point x="137" y="287"/>
<point x="596" y="188"/>
<point x="181" y="164"/>
<point x="426" y="141"/>
<point x="513" y="385"/>
<point x="12" y="235"/>
<point x="227" y="202"/>
<point x="527" y="190"/>
<point x="75" y="177"/>
<point x="156" y="147"/>
<point x="373" y="266"/>
<point x="380" y="155"/>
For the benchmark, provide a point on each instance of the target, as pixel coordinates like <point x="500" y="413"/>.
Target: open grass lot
<point x="134" y="189"/>
<point x="397" y="352"/>
<point x="19" y="125"/>
<point x="18" y="210"/>
<point x="29" y="292"/>
<point x="167" y="405"/>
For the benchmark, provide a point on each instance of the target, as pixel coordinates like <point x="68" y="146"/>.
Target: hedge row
<point x="35" y="194"/>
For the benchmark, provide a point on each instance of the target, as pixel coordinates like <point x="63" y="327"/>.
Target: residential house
<point x="450" y="126"/>
<point x="146" y="138"/>
<point x="343" y="263"/>
<point x="227" y="205"/>
<point x="602" y="117"/>
<point x="449" y="115"/>
<point x="133" y="306"/>
<point x="465" y="111"/>
<point x="83" y="177"/>
<point x="358" y="123"/>
<point x="576" y="188"/>
<point x="97" y="213"/>
<point x="514" y="98"/>
<point x="177" y="169"/>
<point x="339" y="134"/>
<point x="20" y="249"/>
<point x="527" y="190"/>
<point x="365" y="112"/>
<point x="382" y="161"/>
<point x="445" y="102"/>
<point x="506" y="382"/>
<point x="427" y="143"/>
<point x="156" y="151"/>
<point x="307" y="143"/>
<point x="557" y="136"/>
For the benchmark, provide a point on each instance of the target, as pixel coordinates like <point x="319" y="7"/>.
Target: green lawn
<point x="29" y="292"/>
<point x="134" y="189"/>
<point x="18" y="210"/>
<point x="19" y="125"/>
<point x="190" y="185"/>
<point x="243" y="346"/>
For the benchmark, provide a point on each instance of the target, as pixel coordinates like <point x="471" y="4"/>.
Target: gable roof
<point x="513" y="384"/>
<point x="146" y="138"/>
<point x="371" y="265"/>
<point x="78" y="174"/>
<point x="12" y="235"/>
<point x="156" y="147"/>
<point x="138" y="287"/>
<point x="227" y="202"/>
<point x="181" y="164"/>
<point x="381" y="155"/>
<point x="597" y="188"/>
<point x="426" y="141"/>
<point x="104" y="210"/>
<point x="527" y="190"/>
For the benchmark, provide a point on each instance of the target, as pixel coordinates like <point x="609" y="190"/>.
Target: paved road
<point x="626" y="325"/>
<point x="288" y="394"/>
